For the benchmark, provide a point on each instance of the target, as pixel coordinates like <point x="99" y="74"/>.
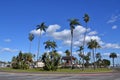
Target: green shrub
<point x="51" y="61"/>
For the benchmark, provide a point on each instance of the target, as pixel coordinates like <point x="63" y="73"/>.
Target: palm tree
<point x="73" y="23"/>
<point x="20" y="56"/>
<point x="34" y="56"/>
<point x="97" y="46"/>
<point x="98" y="56"/>
<point x="41" y="27"/>
<point x="28" y="57"/>
<point x="98" y="59"/>
<point x="67" y="52"/>
<point x="113" y="56"/>
<point x="80" y="49"/>
<point x="92" y="45"/>
<point x="31" y="37"/>
<point x="51" y="60"/>
<point x="86" y="19"/>
<point x="50" y="45"/>
<point x="81" y="55"/>
<point x="87" y="58"/>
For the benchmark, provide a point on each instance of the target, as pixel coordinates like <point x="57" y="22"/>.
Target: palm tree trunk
<point x="71" y="49"/>
<point x="113" y="62"/>
<point x="38" y="48"/>
<point x="93" y="59"/>
<point x="30" y="47"/>
<point x="84" y="45"/>
<point x="83" y="66"/>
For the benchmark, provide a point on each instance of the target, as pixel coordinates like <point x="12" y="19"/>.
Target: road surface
<point x="30" y="76"/>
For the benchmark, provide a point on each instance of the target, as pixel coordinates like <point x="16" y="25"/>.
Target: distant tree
<point x="73" y="23"/>
<point x="105" y="62"/>
<point x="113" y="56"/>
<point x="31" y="37"/>
<point x="41" y="27"/>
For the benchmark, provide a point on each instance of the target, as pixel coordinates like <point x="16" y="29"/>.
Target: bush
<point x="22" y="61"/>
<point x="51" y="61"/>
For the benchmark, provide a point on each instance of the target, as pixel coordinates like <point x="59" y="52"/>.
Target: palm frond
<point x="86" y="18"/>
<point x="42" y="26"/>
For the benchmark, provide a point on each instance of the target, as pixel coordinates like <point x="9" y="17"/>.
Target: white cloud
<point x="65" y="36"/>
<point x="8" y="50"/>
<point x="118" y="55"/>
<point x="76" y="43"/>
<point x="7" y="40"/>
<point x="97" y="38"/>
<point x="110" y="45"/>
<point x="67" y="42"/>
<point x="92" y="33"/>
<point x="106" y="54"/>
<point x="113" y="18"/>
<point x="53" y="28"/>
<point x="61" y="53"/>
<point x="75" y="53"/>
<point x="79" y="31"/>
<point x="36" y="32"/>
<point x="60" y="35"/>
<point x="114" y="27"/>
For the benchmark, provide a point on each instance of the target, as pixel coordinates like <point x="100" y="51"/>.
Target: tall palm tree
<point x="73" y="23"/>
<point x="31" y="37"/>
<point x="86" y="19"/>
<point x="113" y="56"/>
<point x="41" y="27"/>
<point x="92" y="45"/>
<point x="67" y="52"/>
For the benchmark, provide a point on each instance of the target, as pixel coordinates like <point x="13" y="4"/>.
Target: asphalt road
<point x="26" y="76"/>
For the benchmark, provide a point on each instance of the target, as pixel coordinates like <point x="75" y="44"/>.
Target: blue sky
<point x="19" y="17"/>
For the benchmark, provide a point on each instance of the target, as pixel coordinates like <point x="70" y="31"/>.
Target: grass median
<point x="58" y="70"/>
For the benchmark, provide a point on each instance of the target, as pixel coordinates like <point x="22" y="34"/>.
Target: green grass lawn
<point x="58" y="71"/>
<point x="85" y="70"/>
